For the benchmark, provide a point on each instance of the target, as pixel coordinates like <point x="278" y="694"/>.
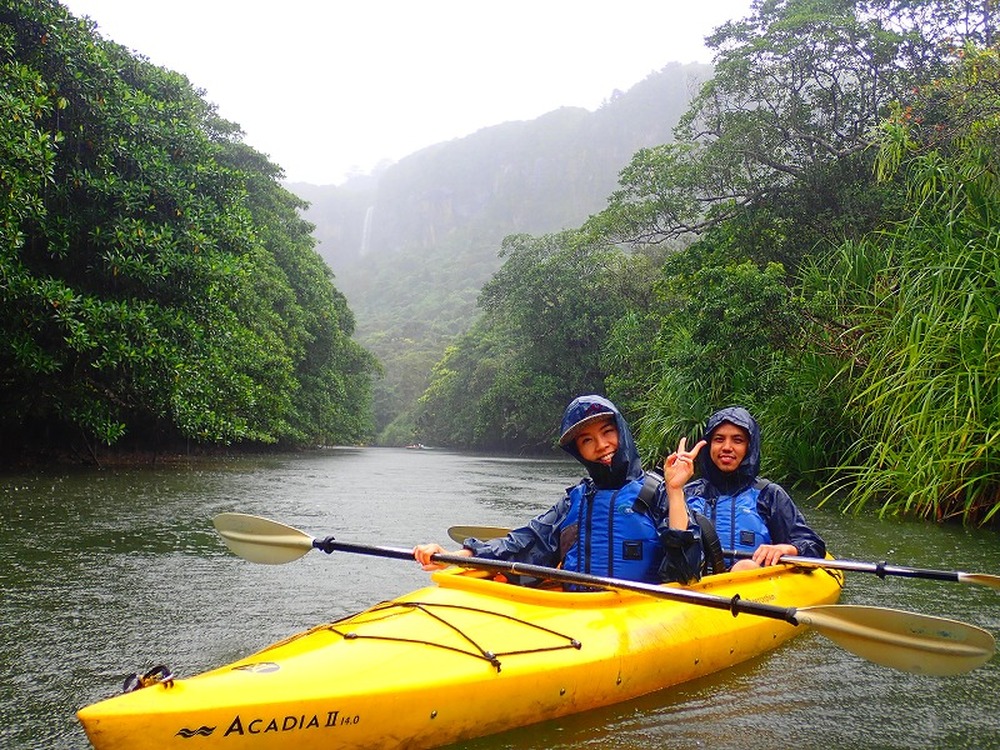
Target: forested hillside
<point x="157" y="285"/>
<point x="412" y="246"/>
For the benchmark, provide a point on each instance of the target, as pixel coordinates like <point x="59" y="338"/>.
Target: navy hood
<point x="749" y="468"/>
<point x="625" y="464"/>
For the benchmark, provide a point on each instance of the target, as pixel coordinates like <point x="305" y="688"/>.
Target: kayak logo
<point x="189" y="733"/>
<point x="261" y="667"/>
<point x="291" y="723"/>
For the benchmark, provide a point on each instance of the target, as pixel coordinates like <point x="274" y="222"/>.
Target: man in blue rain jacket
<point x="751" y="515"/>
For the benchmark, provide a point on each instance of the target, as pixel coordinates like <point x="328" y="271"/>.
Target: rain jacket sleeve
<point x="787" y="524"/>
<point x="682" y="550"/>
<point x="536" y="543"/>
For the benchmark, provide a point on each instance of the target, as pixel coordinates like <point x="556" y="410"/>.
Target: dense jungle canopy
<point x="157" y="284"/>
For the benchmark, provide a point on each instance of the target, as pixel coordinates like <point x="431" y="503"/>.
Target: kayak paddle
<point x="903" y="640"/>
<point x="881" y="569"/>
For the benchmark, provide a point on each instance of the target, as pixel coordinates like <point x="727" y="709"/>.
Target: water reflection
<point x="111" y="572"/>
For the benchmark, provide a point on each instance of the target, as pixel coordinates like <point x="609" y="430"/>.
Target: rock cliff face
<point x="412" y="245"/>
<point x="535" y="176"/>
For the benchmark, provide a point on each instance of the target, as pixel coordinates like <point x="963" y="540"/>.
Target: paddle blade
<point x="261" y="540"/>
<point x="902" y="640"/>
<point x="461" y="533"/>
<point x="980" y="579"/>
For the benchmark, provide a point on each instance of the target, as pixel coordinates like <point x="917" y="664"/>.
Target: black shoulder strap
<point x="650" y="483"/>
<point x="714" y="561"/>
<point x="761" y="482"/>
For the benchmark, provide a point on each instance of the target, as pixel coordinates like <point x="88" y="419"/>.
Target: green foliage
<point x="774" y="163"/>
<point x="547" y="315"/>
<point x="860" y="350"/>
<point x="412" y="306"/>
<point x="922" y="303"/>
<point x="156" y="281"/>
<point x="798" y="87"/>
<point x="726" y="336"/>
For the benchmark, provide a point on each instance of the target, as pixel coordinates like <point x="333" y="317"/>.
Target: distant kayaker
<point x="751" y="514"/>
<point x="600" y="527"/>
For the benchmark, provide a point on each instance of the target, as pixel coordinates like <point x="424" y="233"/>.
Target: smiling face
<point x="728" y="446"/>
<point x="598" y="441"/>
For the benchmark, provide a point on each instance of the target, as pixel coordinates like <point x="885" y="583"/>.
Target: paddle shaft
<point x="735" y="604"/>
<point x="881" y="569"/>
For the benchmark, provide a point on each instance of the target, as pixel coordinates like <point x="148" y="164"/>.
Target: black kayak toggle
<point x="325" y="545"/>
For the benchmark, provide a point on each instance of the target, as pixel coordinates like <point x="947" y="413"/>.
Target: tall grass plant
<point x="924" y="301"/>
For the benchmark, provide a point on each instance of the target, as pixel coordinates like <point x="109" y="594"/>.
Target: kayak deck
<point x="463" y="658"/>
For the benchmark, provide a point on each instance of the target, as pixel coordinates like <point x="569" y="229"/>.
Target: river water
<point x="105" y="573"/>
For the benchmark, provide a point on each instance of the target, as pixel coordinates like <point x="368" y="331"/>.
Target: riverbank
<point x="13" y="458"/>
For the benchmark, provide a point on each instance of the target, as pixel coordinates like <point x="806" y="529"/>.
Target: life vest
<point x="629" y="548"/>
<point x="737" y="521"/>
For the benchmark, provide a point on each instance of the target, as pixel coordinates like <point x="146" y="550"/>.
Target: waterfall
<point x="366" y="230"/>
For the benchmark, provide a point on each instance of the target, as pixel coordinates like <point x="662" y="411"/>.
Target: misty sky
<point x="327" y="87"/>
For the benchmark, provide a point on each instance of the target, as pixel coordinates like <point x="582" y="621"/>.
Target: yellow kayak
<point x="465" y="657"/>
